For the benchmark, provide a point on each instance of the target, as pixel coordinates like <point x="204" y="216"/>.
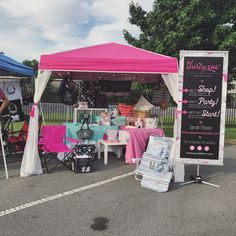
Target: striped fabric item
<point x="159" y="146"/>
<point x="125" y="109"/>
<point x="158" y="181"/>
<point x="151" y="164"/>
<point x="154" y="167"/>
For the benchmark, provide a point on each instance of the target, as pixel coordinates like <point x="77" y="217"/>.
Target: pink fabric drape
<point x="138" y="141"/>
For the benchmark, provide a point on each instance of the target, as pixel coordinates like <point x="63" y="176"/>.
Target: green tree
<point x="33" y="64"/>
<point x="174" y="25"/>
<point x="50" y="93"/>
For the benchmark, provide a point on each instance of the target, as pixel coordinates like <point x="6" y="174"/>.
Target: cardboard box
<point x="141" y="114"/>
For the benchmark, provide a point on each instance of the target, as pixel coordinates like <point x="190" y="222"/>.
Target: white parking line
<point x="60" y="195"/>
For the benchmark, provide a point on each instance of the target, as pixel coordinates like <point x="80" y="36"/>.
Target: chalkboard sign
<point x="201" y="108"/>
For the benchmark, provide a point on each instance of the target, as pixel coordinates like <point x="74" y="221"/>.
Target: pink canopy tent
<point x="111" y="60"/>
<point x="110" y="57"/>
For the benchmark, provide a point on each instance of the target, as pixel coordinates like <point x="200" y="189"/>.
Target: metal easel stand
<point x="198" y="179"/>
<point x="3" y="151"/>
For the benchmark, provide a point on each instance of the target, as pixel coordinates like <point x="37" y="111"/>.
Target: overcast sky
<point x="30" y="28"/>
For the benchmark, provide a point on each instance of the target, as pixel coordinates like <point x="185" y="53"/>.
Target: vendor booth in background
<point x="13" y="68"/>
<point x="12" y="89"/>
<point x="105" y="62"/>
<point x="10" y="73"/>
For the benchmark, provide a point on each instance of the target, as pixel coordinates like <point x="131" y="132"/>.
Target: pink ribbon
<point x="176" y="114"/>
<point x="225" y="77"/>
<point x="33" y="108"/>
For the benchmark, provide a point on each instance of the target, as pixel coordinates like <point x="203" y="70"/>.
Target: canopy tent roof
<point x="11" y="67"/>
<point x="110" y="57"/>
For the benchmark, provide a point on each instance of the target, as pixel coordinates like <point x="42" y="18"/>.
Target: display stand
<point x="90" y="111"/>
<point x="198" y="179"/>
<point x="3" y="151"/>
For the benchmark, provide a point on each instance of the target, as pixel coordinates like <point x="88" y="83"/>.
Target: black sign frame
<point x="200" y="115"/>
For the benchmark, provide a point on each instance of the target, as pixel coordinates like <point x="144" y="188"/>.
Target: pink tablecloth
<point x="138" y="140"/>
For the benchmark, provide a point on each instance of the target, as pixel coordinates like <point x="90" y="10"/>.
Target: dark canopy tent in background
<point x="106" y="61"/>
<point x="11" y="67"/>
<point x="12" y="70"/>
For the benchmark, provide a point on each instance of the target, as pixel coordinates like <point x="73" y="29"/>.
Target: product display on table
<point x="114" y="113"/>
<point x="120" y="121"/>
<point x="151" y="123"/>
<point x="143" y="104"/>
<point x="139" y="123"/>
<point x="105" y="118"/>
<point x="141" y="114"/>
<point x="131" y="121"/>
<point x="98" y="130"/>
<point x="85" y="133"/>
<point x="112" y="135"/>
<point x="96" y="119"/>
<point x="79" y="113"/>
<point x="123" y="136"/>
<point x="125" y="109"/>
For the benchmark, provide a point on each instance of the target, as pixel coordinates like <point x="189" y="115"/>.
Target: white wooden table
<point x="108" y="144"/>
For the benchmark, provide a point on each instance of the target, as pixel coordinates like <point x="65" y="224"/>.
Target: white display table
<point x="109" y="144"/>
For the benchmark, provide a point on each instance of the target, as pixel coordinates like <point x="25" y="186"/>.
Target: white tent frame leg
<point x="3" y="152"/>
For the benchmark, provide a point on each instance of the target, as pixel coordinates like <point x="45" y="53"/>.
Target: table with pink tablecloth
<point x="137" y="142"/>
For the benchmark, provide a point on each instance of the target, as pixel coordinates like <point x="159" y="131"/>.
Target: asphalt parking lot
<point x="110" y="201"/>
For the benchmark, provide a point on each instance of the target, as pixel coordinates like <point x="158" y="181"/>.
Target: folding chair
<point x="155" y="169"/>
<point x="16" y="140"/>
<point x="52" y="142"/>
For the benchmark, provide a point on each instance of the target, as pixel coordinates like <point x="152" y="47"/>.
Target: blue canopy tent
<point x="10" y="67"/>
